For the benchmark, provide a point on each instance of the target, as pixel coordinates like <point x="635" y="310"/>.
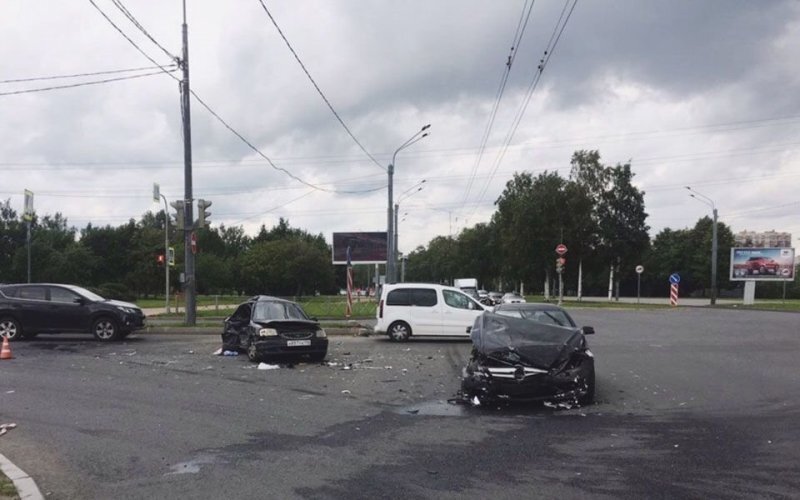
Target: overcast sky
<point x="699" y="93"/>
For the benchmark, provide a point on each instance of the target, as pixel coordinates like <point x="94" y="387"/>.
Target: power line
<point x="327" y="102"/>
<point x="273" y="208"/>
<point x="521" y="25"/>
<point x="136" y="23"/>
<point x="213" y="113"/>
<point x="145" y="54"/>
<point x="271" y="163"/>
<point x="558" y="30"/>
<point x="79" y="75"/>
<point x="81" y="84"/>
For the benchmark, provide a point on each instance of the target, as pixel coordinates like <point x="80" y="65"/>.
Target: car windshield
<point x="272" y="310"/>
<point x="551" y="317"/>
<point x="86" y="293"/>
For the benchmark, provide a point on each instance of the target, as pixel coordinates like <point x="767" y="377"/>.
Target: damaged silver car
<point x="516" y="359"/>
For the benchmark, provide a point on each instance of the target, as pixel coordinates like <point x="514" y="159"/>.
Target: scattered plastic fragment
<point x="476" y="401"/>
<point x="267" y="366"/>
<point x="9" y="392"/>
<point x="218" y="352"/>
<point x="5" y="428"/>
<point x="230" y="353"/>
<point x="345" y="391"/>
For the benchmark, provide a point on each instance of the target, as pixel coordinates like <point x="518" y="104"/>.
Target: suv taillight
<point x="380" y="310"/>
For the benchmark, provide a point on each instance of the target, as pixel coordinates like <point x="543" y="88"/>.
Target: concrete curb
<point x="26" y="487"/>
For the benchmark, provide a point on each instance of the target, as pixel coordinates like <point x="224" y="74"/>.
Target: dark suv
<point x="32" y="308"/>
<point x="272" y="327"/>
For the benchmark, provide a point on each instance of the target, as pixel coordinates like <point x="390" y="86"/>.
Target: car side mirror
<point x="469" y="329"/>
<point x="80" y="301"/>
<point x="588" y="330"/>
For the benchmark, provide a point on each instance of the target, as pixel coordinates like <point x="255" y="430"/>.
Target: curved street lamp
<point x="416" y="188"/>
<point x="708" y="201"/>
<point x="390" y="250"/>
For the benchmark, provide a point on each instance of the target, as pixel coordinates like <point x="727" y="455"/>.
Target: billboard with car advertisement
<point x="365" y="248"/>
<point x="762" y="264"/>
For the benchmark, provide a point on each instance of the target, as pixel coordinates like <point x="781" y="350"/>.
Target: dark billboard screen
<point x="365" y="248"/>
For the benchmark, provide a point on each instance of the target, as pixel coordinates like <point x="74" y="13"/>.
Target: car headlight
<point x="321" y="333"/>
<point x="128" y="310"/>
<point x="268" y="332"/>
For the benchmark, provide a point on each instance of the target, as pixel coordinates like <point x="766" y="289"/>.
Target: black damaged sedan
<point x="516" y="359"/>
<point x="269" y="327"/>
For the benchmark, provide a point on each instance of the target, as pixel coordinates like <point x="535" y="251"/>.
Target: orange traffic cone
<point x="6" y="352"/>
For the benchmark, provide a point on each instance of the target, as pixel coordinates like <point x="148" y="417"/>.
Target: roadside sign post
<point x="639" y="271"/>
<point x="674" y="279"/>
<point x="561" y="249"/>
<point x="27" y="215"/>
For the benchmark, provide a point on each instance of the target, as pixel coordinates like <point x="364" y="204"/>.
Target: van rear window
<point x="422" y="297"/>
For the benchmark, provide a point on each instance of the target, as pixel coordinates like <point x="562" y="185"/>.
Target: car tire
<point x="399" y="331"/>
<point x="588" y="397"/>
<point x="10" y="328"/>
<point x="252" y="352"/>
<point x="105" y="329"/>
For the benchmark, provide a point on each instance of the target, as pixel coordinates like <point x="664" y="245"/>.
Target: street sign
<point x="639" y="269"/>
<point x="27" y="213"/>
<point x="194" y="242"/>
<point x="674" y="278"/>
<point x="561" y="249"/>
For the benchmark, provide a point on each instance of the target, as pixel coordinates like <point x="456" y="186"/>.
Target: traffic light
<point x="171" y="256"/>
<point x="179" y="206"/>
<point x="160" y="259"/>
<point x="202" y="215"/>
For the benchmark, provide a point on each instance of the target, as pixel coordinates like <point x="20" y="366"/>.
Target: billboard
<point x="365" y="248"/>
<point x="762" y="264"/>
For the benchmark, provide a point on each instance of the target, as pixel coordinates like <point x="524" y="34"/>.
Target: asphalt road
<point x="692" y="403"/>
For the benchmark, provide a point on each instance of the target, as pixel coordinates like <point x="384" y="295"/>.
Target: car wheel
<point x="252" y="352"/>
<point x="399" y="331"/>
<point x="587" y="397"/>
<point x="10" y="329"/>
<point x="105" y="329"/>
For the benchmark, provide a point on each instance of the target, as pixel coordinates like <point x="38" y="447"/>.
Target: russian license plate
<point x="298" y="343"/>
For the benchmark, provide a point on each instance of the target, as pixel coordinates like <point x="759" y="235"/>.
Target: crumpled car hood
<point x="521" y="341"/>
<point x="290" y="324"/>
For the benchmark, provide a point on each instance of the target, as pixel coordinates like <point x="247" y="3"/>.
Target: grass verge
<point x="7" y="489"/>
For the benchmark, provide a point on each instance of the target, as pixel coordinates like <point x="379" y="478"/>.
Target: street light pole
<point x="708" y="201"/>
<point x="390" y="250"/>
<point x="416" y="188"/>
<point x="166" y="253"/>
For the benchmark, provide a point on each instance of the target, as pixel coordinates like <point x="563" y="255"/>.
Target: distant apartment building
<point x="767" y="239"/>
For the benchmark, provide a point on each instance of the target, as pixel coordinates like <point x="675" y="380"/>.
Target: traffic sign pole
<point x="639" y="271"/>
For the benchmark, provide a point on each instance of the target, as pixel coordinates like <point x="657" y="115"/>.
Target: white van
<point x="407" y="309"/>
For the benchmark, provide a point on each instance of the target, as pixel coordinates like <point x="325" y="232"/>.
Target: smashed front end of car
<point x="521" y="360"/>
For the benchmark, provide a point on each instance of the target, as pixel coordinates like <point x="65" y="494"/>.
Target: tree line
<point x="596" y="211"/>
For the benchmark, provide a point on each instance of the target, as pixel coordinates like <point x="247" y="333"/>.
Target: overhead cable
<point x="81" y="84"/>
<point x="319" y="91"/>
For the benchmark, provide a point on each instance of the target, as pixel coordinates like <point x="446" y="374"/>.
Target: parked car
<point x="267" y="327"/>
<point x="496" y="298"/>
<point x="512" y="298"/>
<point x="32" y="308"/>
<point x="529" y="359"/>
<point x="407" y="309"/>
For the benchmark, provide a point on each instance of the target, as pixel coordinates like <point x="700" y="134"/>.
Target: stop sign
<point x="194" y="242"/>
<point x="561" y="249"/>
